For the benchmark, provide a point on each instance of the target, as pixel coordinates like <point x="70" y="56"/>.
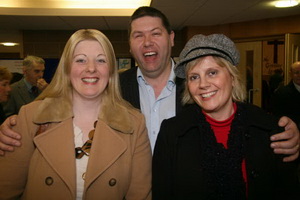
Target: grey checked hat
<point x="201" y="45"/>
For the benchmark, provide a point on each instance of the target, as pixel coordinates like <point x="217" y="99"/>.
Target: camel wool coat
<point x="119" y="165"/>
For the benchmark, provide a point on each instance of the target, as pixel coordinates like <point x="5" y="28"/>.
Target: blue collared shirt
<point x="156" y="110"/>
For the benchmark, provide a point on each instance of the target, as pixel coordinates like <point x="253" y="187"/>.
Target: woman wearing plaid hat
<point x="219" y="147"/>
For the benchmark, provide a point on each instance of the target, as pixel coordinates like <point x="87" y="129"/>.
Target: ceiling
<point x="181" y="13"/>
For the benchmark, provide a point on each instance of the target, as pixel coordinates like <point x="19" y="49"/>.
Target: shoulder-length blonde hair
<point x="238" y="89"/>
<point x="61" y="86"/>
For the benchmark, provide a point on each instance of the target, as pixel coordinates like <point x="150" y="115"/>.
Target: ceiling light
<point x="286" y="4"/>
<point x="9" y="44"/>
<point x="71" y="7"/>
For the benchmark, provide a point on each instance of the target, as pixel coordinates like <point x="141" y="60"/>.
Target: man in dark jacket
<point x="152" y="86"/>
<point x="286" y="100"/>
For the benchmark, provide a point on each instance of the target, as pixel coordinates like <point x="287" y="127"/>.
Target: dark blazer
<point x="180" y="173"/>
<point x="286" y="102"/>
<point x="130" y="88"/>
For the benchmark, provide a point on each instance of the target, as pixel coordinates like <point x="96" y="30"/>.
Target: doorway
<point x="292" y="53"/>
<point x="250" y="67"/>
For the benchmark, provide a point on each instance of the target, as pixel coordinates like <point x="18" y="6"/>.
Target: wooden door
<point x="292" y="53"/>
<point x="250" y="67"/>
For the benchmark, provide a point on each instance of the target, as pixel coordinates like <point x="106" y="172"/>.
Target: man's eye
<point x="137" y="36"/>
<point x="157" y="33"/>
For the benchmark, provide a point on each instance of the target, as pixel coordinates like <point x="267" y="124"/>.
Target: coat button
<point x="112" y="182"/>
<point x="254" y="174"/>
<point x="49" y="180"/>
<point x="247" y="136"/>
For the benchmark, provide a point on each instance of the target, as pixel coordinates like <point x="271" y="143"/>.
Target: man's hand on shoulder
<point x="288" y="141"/>
<point x="8" y="138"/>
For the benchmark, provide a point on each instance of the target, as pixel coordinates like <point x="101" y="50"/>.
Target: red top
<point x="221" y="130"/>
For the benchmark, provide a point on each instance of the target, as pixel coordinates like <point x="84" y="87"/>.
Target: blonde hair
<point x="5" y="74"/>
<point x="238" y="89"/>
<point x="61" y="86"/>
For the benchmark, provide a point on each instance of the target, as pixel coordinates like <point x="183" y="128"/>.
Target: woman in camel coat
<point x="83" y="91"/>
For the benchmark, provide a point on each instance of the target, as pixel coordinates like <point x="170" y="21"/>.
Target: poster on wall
<point x="273" y="57"/>
<point x="12" y="65"/>
<point x="124" y="63"/>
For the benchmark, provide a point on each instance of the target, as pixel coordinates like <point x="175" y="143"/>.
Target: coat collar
<point x="59" y="109"/>
<point x="110" y="146"/>
<point x="251" y="116"/>
<point x="53" y="143"/>
<point x="188" y="118"/>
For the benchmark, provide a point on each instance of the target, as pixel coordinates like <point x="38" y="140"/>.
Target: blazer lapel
<point x="106" y="149"/>
<point x="24" y="94"/>
<point x="130" y="87"/>
<point x="179" y="92"/>
<point x="62" y="160"/>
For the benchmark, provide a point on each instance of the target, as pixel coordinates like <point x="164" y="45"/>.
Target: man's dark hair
<point x="151" y="12"/>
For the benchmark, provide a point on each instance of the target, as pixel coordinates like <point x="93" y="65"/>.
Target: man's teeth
<point x="208" y="94"/>
<point x="90" y="80"/>
<point x="150" y="54"/>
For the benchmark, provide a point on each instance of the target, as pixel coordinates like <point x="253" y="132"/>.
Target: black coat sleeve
<point x="162" y="164"/>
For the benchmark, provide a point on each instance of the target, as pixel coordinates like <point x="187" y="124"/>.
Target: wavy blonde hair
<point x="61" y="86"/>
<point x="238" y="89"/>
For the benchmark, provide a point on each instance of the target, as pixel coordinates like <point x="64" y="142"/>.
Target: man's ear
<point x="172" y="36"/>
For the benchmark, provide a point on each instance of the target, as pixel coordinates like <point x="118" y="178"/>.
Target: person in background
<point x="153" y="86"/>
<point x="219" y="147"/>
<point x="286" y="99"/>
<point x="5" y="77"/>
<point x="28" y="88"/>
<point x="276" y="80"/>
<point x="81" y="140"/>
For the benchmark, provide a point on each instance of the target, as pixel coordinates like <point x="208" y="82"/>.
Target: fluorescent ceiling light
<point x="71" y="7"/>
<point x="9" y="44"/>
<point x="286" y="4"/>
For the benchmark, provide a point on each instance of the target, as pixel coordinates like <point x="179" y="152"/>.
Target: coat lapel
<point x="106" y="149"/>
<point x="62" y="160"/>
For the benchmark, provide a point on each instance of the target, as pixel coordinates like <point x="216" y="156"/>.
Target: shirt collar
<point x="297" y="87"/>
<point x="28" y="85"/>
<point x="171" y="80"/>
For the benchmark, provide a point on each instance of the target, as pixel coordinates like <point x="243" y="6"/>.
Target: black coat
<point x="286" y="102"/>
<point x="178" y="171"/>
<point x="130" y="89"/>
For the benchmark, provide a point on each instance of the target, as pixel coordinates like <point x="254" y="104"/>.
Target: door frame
<point x="256" y="62"/>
